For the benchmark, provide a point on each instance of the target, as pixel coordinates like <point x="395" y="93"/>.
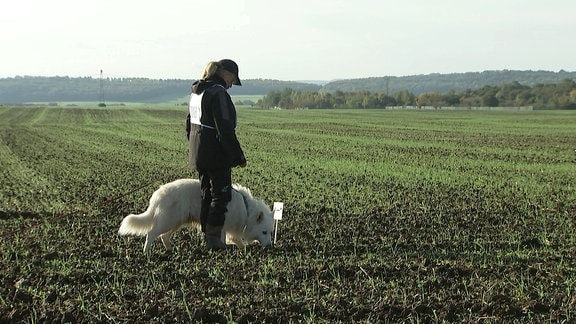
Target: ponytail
<point x="210" y="69"/>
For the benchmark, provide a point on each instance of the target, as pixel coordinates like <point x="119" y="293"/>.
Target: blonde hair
<point x="210" y="69"/>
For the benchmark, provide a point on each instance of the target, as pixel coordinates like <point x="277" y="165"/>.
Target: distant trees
<point x="292" y="99"/>
<point x="433" y="99"/>
<point x="490" y="88"/>
<point x="22" y="89"/>
<point x="404" y="98"/>
<point x="443" y="83"/>
<point x="52" y="89"/>
<point x="556" y="95"/>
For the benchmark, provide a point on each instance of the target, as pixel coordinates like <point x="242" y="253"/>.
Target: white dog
<point x="178" y="203"/>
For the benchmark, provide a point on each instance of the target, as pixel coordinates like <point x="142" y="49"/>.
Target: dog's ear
<point x="260" y="217"/>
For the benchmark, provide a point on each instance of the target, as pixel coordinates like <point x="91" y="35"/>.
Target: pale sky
<point x="284" y="40"/>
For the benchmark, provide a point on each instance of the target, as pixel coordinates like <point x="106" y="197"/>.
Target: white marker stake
<point x="278" y="207"/>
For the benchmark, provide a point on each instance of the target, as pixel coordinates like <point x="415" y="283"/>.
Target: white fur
<point x="178" y="203"/>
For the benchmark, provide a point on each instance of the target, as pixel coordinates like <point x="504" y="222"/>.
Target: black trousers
<point x="216" y="187"/>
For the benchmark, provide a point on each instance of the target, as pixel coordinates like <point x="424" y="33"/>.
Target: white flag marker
<point x="278" y="208"/>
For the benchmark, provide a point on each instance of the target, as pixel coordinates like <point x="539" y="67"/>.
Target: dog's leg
<point x="239" y="243"/>
<point x="166" y="240"/>
<point x="150" y="237"/>
<point x="147" y="245"/>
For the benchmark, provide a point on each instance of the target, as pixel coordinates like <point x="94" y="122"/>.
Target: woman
<point x="214" y="148"/>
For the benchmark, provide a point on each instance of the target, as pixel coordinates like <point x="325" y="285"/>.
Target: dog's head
<point x="260" y="224"/>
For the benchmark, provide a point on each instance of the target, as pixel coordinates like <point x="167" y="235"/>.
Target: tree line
<point x="550" y="96"/>
<point x="444" y="83"/>
<point x="26" y="89"/>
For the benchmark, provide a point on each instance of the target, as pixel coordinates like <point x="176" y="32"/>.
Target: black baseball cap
<point x="230" y="66"/>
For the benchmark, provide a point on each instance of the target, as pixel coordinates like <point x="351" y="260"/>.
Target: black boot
<point x="212" y="237"/>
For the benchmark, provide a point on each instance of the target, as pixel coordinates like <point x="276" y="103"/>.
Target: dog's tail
<point x="138" y="225"/>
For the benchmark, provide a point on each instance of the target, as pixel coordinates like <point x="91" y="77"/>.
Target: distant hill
<point x="444" y="83"/>
<point x="56" y="89"/>
<point x="24" y="89"/>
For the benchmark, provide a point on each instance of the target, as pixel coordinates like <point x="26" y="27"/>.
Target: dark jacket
<point x="214" y="145"/>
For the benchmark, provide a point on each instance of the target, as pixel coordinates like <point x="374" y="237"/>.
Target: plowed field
<point x="430" y="216"/>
